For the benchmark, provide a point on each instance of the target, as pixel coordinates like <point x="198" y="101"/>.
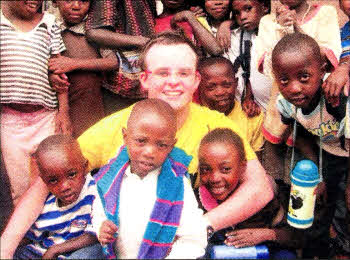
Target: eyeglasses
<point x="166" y="73"/>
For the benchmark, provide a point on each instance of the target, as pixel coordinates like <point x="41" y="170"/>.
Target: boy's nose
<point x="295" y="87"/>
<point x="76" y="4"/>
<point x="149" y="151"/>
<point x="215" y="177"/>
<point x="65" y="186"/>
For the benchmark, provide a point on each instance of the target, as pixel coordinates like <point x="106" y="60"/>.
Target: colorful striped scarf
<point x="166" y="213"/>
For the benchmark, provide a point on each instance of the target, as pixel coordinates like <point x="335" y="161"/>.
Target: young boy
<point x="299" y="69"/>
<point x="84" y="65"/>
<point x="217" y="91"/>
<point x="64" y="225"/>
<point x="31" y="109"/>
<point x="147" y="198"/>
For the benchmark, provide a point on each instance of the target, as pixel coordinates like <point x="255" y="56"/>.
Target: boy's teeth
<point x="173" y="93"/>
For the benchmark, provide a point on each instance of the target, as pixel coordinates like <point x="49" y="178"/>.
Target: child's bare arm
<point x="249" y="106"/>
<point x="65" y="64"/>
<point x="337" y="81"/>
<point x="109" y="39"/>
<point x="205" y="38"/>
<point x="223" y="35"/>
<point x="70" y="245"/>
<point x="63" y="123"/>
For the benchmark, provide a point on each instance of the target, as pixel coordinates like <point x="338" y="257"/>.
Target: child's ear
<point x="173" y="144"/>
<point x="244" y="165"/>
<point x="124" y="134"/>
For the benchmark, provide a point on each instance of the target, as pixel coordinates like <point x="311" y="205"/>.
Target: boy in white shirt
<point x="154" y="212"/>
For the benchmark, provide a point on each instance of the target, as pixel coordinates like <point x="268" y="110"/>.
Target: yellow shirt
<point x="249" y="125"/>
<point x="102" y="141"/>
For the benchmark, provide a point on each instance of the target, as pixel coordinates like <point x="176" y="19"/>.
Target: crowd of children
<point x="201" y="98"/>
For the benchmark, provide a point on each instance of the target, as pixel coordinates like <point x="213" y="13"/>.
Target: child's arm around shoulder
<point x="64" y="64"/>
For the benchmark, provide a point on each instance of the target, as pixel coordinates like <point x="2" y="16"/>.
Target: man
<point x="169" y="64"/>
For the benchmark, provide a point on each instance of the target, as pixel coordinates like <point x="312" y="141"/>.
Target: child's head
<point x="345" y="6"/>
<point x="150" y="135"/>
<point x="25" y="9"/>
<point x="218" y="9"/>
<point x="62" y="167"/>
<point x="73" y="11"/>
<point x="298" y="68"/>
<point x="218" y="85"/>
<point x="222" y="159"/>
<point x="249" y="12"/>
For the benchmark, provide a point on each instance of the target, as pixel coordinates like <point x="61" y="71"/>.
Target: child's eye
<point x="162" y="73"/>
<point x="71" y="175"/>
<point x="52" y="181"/>
<point x="248" y="8"/>
<point x="304" y="77"/>
<point x="163" y="145"/>
<point x="140" y="140"/>
<point x="284" y="81"/>
<point x="226" y="170"/>
<point x="204" y="169"/>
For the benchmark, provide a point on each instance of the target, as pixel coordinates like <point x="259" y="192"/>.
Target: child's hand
<point x="51" y="253"/>
<point x="284" y="16"/>
<point x="223" y="35"/>
<point x="182" y="16"/>
<point x="59" y="82"/>
<point x="62" y="64"/>
<point x="335" y="83"/>
<point x="63" y="123"/>
<point x="197" y="11"/>
<point x="246" y="237"/>
<point x="107" y="232"/>
<point x="250" y="107"/>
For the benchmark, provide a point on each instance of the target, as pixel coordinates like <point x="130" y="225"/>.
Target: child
<point x="123" y="26"/>
<point x="253" y="88"/>
<point x="175" y="15"/>
<point x="299" y="68"/>
<point x="217" y="91"/>
<point x="318" y="21"/>
<point x="221" y="162"/>
<point x="150" y="203"/>
<point x="216" y="11"/>
<point x="84" y="64"/>
<point x="64" y="227"/>
<point x="30" y="108"/>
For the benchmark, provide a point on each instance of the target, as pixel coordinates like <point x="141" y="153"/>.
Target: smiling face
<point x="217" y="88"/>
<point x="171" y="74"/>
<point x="63" y="171"/>
<point x="73" y="11"/>
<point x="25" y="8"/>
<point x="218" y="9"/>
<point x="220" y="168"/>
<point x="149" y="140"/>
<point x="248" y="13"/>
<point x="298" y="75"/>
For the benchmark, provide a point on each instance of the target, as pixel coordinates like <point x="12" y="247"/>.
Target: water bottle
<point x="304" y="179"/>
<point x="231" y="252"/>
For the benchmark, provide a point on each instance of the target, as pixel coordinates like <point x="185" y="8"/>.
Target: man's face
<point x="171" y="74"/>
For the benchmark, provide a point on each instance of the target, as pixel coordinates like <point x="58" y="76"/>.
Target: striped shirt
<point x="56" y="225"/>
<point x="24" y="62"/>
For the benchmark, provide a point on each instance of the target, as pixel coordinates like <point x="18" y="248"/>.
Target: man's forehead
<point x="174" y="51"/>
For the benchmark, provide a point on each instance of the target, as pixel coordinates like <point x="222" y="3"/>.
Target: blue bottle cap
<point x="305" y="173"/>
